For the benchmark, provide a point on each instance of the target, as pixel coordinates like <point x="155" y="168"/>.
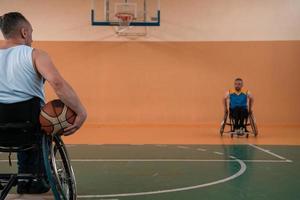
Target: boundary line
<point x="269" y="152"/>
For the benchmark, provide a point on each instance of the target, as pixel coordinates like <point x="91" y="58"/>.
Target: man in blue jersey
<point x="240" y="105"/>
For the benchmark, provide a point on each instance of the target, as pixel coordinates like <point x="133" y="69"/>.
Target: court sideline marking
<point x="270" y="153"/>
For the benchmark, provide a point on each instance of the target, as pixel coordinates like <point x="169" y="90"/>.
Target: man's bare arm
<point x="64" y="91"/>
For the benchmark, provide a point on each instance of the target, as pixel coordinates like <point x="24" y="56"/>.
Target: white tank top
<point x="18" y="79"/>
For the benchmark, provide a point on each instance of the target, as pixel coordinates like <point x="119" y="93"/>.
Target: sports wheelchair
<point x="228" y="121"/>
<point x="19" y="137"/>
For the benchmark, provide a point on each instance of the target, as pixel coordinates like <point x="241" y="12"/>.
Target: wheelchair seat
<point x="16" y="137"/>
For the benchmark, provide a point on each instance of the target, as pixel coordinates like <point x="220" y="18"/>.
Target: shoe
<point x="23" y="187"/>
<point x="236" y="132"/>
<point x="241" y="131"/>
<point x="39" y="186"/>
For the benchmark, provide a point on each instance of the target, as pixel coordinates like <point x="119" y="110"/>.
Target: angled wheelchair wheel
<point x="253" y="125"/>
<point x="58" y="168"/>
<point x="223" y="124"/>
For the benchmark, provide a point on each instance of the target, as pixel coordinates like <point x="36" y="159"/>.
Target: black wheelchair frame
<point x="228" y="121"/>
<point x="56" y="160"/>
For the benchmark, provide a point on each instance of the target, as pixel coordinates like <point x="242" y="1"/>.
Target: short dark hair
<point x="238" y="79"/>
<point x="10" y="22"/>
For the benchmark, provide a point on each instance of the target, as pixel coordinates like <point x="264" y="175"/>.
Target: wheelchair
<point x="228" y="121"/>
<point x="18" y="137"/>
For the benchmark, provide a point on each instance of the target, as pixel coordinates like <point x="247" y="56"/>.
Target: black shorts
<point x="239" y="116"/>
<point x="239" y="112"/>
<point x="22" y="112"/>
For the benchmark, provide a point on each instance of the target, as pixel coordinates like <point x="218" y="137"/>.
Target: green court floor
<point x="181" y="172"/>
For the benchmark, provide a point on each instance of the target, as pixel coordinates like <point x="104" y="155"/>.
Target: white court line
<point x="183" y="147"/>
<point x="269" y="152"/>
<point x="200" y="149"/>
<point x="169" y="160"/>
<point x="161" y="145"/>
<point x="108" y="199"/>
<point x="218" y="153"/>
<point x="243" y="168"/>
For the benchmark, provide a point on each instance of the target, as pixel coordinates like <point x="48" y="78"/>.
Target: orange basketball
<point x="55" y="116"/>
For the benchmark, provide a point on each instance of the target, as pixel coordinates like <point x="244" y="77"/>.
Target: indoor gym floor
<point x="240" y="170"/>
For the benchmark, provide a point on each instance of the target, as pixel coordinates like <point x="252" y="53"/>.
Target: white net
<point x="125" y="13"/>
<point x="124" y="19"/>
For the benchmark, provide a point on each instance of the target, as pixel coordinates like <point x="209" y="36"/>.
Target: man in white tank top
<point x="23" y="71"/>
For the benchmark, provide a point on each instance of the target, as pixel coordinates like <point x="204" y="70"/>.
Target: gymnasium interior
<point x="154" y="97"/>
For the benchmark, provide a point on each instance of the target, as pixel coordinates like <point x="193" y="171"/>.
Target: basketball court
<point x="152" y="75"/>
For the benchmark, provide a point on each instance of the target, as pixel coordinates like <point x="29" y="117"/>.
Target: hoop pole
<point x="145" y="10"/>
<point x="93" y="11"/>
<point x="106" y="10"/>
<point x="93" y="4"/>
<point x="158" y="5"/>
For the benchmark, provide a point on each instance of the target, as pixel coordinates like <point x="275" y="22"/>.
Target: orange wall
<point x="179" y="82"/>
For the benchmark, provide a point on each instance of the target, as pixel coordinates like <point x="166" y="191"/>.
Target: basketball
<point x="55" y="116"/>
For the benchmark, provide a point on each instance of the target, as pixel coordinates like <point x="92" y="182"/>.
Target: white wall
<point x="182" y="20"/>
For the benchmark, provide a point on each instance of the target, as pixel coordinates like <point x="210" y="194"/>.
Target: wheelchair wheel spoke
<point x="63" y="181"/>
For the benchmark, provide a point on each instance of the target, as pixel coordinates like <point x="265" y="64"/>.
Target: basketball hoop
<point x="125" y="19"/>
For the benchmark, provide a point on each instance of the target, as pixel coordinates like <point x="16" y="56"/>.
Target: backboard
<point x="146" y="12"/>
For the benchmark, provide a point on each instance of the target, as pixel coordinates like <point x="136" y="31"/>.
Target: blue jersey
<point x="238" y="99"/>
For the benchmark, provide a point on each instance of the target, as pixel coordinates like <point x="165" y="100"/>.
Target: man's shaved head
<point x="14" y="25"/>
<point x="10" y="23"/>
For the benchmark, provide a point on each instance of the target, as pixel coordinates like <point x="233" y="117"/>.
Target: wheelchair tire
<point x="58" y="168"/>
<point x="221" y="130"/>
<point x="253" y="125"/>
<point x="223" y="124"/>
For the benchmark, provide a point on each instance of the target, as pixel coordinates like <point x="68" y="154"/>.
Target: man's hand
<point x="79" y="120"/>
<point x="63" y="90"/>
